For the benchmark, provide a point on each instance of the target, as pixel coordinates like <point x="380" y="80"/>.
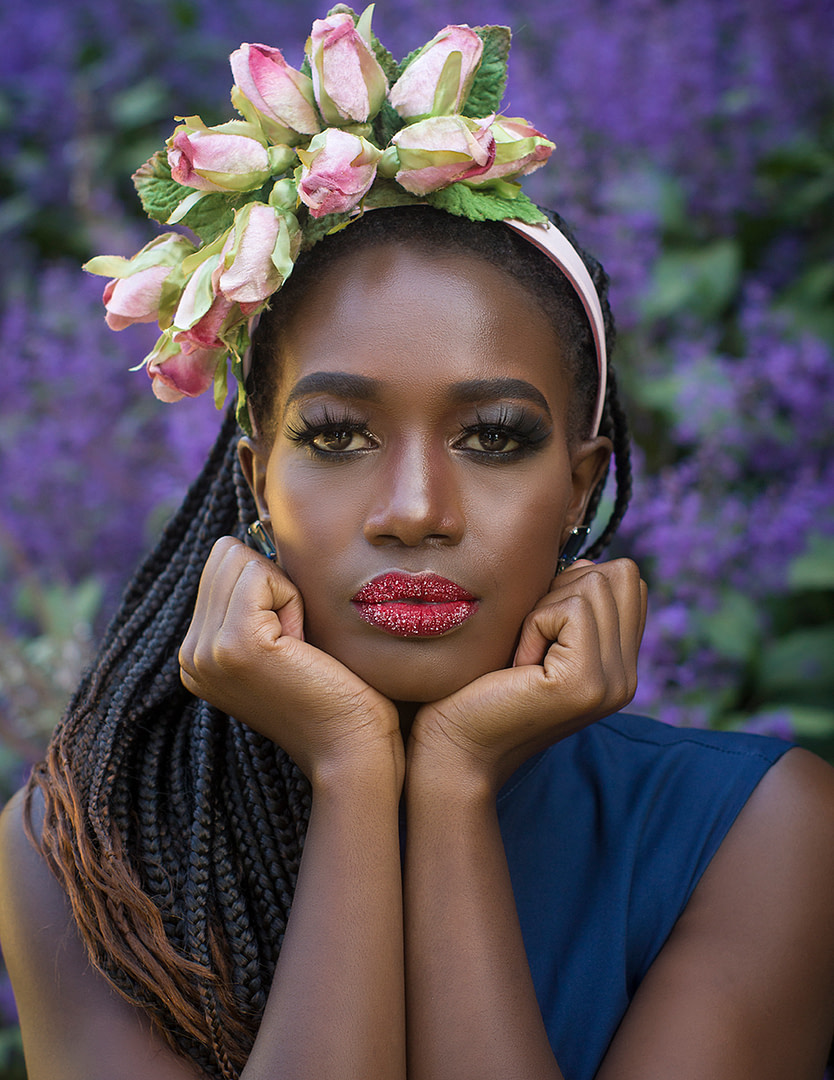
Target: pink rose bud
<point x="337" y="170"/>
<point x="201" y="313"/>
<point x="258" y="255"/>
<point x="441" y="150"/>
<point x="438" y="79"/>
<point x="231" y="157"/>
<point x="143" y="287"/>
<point x="348" y="82"/>
<point x="180" y="371"/>
<point x="271" y="93"/>
<point x="134" y="299"/>
<point x="519" y="149"/>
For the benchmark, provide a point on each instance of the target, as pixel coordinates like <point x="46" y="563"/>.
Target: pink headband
<point x="547" y="238"/>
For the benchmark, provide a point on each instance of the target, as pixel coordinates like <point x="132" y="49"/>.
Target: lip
<point x="414" y="605"/>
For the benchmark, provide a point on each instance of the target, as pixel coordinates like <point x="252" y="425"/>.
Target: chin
<point x="422" y="673"/>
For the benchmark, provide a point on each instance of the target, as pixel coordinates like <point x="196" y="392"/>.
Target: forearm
<point x="472" y="1009"/>
<point x="336" y="1008"/>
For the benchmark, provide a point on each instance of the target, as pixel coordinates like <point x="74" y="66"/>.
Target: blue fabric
<point x="607" y="833"/>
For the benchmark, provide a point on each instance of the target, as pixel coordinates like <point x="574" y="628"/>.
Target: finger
<point x="630" y="594"/>
<point x="540" y="628"/>
<point x="265" y="598"/>
<point x="601" y="611"/>
<point x="216" y="581"/>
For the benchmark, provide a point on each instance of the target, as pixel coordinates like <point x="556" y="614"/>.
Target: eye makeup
<point x="506" y="433"/>
<point x="501" y="433"/>
<point x="332" y="435"/>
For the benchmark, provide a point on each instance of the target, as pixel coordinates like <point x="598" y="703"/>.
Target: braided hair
<point x="175" y="830"/>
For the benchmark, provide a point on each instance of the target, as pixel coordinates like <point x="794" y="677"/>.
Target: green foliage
<point x="210" y="216"/>
<point x="40" y="670"/>
<point x="11" y="1054"/>
<point x="490" y="82"/>
<point x="700" y="279"/>
<point x="484" y="205"/>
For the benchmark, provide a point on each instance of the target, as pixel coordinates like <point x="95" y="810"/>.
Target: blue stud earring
<point x="262" y="540"/>
<point x="570" y="552"/>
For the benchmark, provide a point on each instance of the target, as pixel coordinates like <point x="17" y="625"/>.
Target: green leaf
<point x="387" y="123"/>
<point x="211" y="216"/>
<point x="385" y="60"/>
<point x="491" y="78"/>
<point x="699" y="282"/>
<point x="484" y="205"/>
<point x="315" y="229"/>
<point x="159" y="193"/>
<point x="814" y="568"/>
<point x="798" y="667"/>
<point x="811" y="723"/>
<point x="734" y="630"/>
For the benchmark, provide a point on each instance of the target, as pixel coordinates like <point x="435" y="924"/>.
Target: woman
<point x="403" y="727"/>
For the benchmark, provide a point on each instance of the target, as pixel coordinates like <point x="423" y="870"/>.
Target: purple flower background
<point x="695" y="157"/>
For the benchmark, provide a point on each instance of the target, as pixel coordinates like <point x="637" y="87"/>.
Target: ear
<point x="253" y="462"/>
<point x="589" y="461"/>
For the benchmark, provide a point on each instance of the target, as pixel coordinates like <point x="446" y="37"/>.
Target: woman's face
<point x="421" y="482"/>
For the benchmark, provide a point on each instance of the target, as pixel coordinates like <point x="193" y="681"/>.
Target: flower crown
<point x="352" y="130"/>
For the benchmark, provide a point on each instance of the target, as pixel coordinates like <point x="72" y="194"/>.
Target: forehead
<point x="420" y="321"/>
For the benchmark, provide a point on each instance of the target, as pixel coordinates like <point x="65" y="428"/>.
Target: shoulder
<point x="73" y="1023"/>
<point x="744" y="985"/>
<point x="786" y="829"/>
<point x="30" y="897"/>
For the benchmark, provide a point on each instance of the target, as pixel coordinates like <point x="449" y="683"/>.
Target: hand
<point x="245" y="653"/>
<point x="576" y="661"/>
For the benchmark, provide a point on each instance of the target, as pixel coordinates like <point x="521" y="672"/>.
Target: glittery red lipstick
<point x="414" y="605"/>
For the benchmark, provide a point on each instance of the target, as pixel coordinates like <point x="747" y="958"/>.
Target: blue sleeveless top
<point x="607" y="833"/>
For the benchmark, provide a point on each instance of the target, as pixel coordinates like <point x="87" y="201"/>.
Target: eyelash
<point x="306" y="431"/>
<point x="515" y="424"/>
<point x="527" y="429"/>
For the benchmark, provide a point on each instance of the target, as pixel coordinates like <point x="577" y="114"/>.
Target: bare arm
<point x="75" y="1026"/>
<point x="336" y="1008"/>
<point x="744" y="987"/>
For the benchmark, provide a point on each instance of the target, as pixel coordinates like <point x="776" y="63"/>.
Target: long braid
<point x="145" y="789"/>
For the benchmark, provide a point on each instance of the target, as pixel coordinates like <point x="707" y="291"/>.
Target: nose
<point x="416" y="498"/>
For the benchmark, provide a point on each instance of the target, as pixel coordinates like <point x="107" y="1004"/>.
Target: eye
<point x="496" y="440"/>
<point x="504" y="434"/>
<point x="332" y="437"/>
<point x="341" y="440"/>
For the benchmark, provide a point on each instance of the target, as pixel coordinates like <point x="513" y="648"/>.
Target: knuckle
<point x="594" y="695"/>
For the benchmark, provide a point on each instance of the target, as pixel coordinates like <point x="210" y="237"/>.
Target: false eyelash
<point x="305" y="431"/>
<point x="527" y="429"/>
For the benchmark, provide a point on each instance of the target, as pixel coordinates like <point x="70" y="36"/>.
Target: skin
<point x="420" y="971"/>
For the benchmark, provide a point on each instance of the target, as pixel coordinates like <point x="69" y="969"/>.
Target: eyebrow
<point x="360" y="387"/>
<point x="337" y="383"/>
<point x="485" y="389"/>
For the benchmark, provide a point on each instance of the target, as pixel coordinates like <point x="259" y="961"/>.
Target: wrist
<point x="447" y="773"/>
<point x="373" y="767"/>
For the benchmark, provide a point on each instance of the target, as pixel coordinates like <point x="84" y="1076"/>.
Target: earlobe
<point x="253" y="465"/>
<point x="589" y="463"/>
